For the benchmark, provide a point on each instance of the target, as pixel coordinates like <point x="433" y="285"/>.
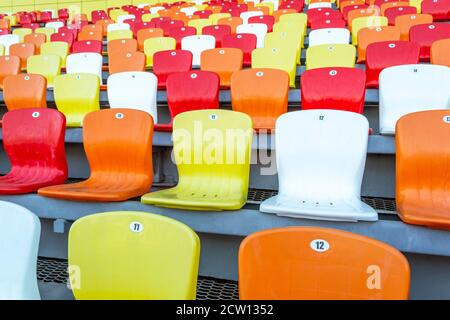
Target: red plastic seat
<point x="32" y="26"/>
<point x="87" y="46"/>
<point x="46" y="16"/>
<point x="170" y="61"/>
<point x="319" y="14"/>
<point x="333" y="88"/>
<point x="244" y="41"/>
<point x="217" y="31"/>
<point x="328" y="23"/>
<point x="167" y="25"/>
<point x="141" y="25"/>
<point x="34" y="142"/>
<point x="381" y="55"/>
<point x="179" y="33"/>
<point x="439" y="9"/>
<point x="266" y="19"/>
<point x="158" y="21"/>
<point x="67" y="29"/>
<point x="63" y="13"/>
<point x="394" y="12"/>
<point x="426" y="34"/>
<point x="203" y="14"/>
<point x="64" y="37"/>
<point x="192" y="90"/>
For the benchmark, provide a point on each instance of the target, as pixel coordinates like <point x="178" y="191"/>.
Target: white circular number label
<point x="35" y="114"/>
<point x="446" y="119"/>
<point x="136" y="227"/>
<point x="213" y="116"/>
<point x="319" y="245"/>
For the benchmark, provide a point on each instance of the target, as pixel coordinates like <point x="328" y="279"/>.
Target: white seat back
<point x="248" y="14"/>
<point x="197" y="44"/>
<point x="410" y="88"/>
<point x="85" y="62"/>
<point x="123" y="17"/>
<point x="189" y="11"/>
<point x="329" y="36"/>
<point x="55" y="25"/>
<point x="118" y="26"/>
<point x="319" y="5"/>
<point x="7" y="40"/>
<point x="258" y="29"/>
<point x="156" y="9"/>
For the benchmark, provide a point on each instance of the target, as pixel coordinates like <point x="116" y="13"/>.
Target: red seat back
<point x="87" y="46"/>
<point x="426" y="34"/>
<point x="170" y="61"/>
<point x="217" y="31"/>
<point x="245" y="41"/>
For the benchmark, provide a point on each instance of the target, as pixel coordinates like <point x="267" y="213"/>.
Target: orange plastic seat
<point x="440" y="52"/>
<point x="126" y="61"/>
<point x="422" y="152"/>
<point x="277" y="14"/>
<point x="317" y="263"/>
<point x="262" y="94"/>
<point x="359" y="13"/>
<point x="104" y="24"/>
<point x="9" y="65"/>
<point x="405" y="22"/>
<point x="387" y="5"/>
<point x="223" y="61"/>
<point x="233" y="22"/>
<point x="24" y="91"/>
<point x="148" y="33"/>
<point x="92" y="35"/>
<point x="37" y="39"/>
<point x="122" y="45"/>
<point x="23" y="51"/>
<point x="118" y="146"/>
<point x="367" y="36"/>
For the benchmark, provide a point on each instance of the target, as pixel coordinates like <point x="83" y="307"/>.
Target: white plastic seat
<point x="319" y="5"/>
<point x="154" y="10"/>
<point x="133" y="90"/>
<point x="55" y="25"/>
<point x="410" y="88"/>
<point x="189" y="11"/>
<point x="20" y="232"/>
<point x="258" y="29"/>
<point x="7" y="40"/>
<point x="196" y="44"/>
<point x="85" y="62"/>
<point x="329" y="36"/>
<point x="320" y="175"/>
<point x="249" y="14"/>
<point x="142" y="5"/>
<point x="123" y="17"/>
<point x="118" y="26"/>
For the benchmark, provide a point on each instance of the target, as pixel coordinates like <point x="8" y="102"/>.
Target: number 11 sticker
<point x="136" y="227"/>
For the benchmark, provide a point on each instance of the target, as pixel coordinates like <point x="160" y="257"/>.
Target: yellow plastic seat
<point x="47" y="31"/>
<point x="336" y="55"/>
<point x="285" y="40"/>
<point x="59" y="48"/>
<point x="212" y="153"/>
<point x="300" y="18"/>
<point x="119" y="34"/>
<point x="76" y="95"/>
<point x="268" y="5"/>
<point x="291" y="27"/>
<point x="199" y="24"/>
<point x="149" y="16"/>
<point x="153" y="45"/>
<point x="2" y="50"/>
<point x="366" y="22"/>
<point x="115" y="13"/>
<point x="215" y="17"/>
<point x="48" y="65"/>
<point x="417" y="4"/>
<point x="132" y="255"/>
<point x="22" y="32"/>
<point x="282" y="58"/>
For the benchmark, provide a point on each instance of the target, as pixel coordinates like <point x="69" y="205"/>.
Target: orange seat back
<point x="367" y="36"/>
<point x="126" y="61"/>
<point x="37" y="39"/>
<point x="223" y="61"/>
<point x="440" y="52"/>
<point x="148" y="33"/>
<point x="9" y="65"/>
<point x="277" y="14"/>
<point x="122" y="45"/>
<point x="405" y="22"/>
<point x="23" y="91"/>
<point x="104" y="24"/>
<point x="93" y="35"/>
<point x="23" y="51"/>
<point x="389" y="5"/>
<point x="359" y="13"/>
<point x="319" y="263"/>
<point x="347" y="3"/>
<point x="233" y="22"/>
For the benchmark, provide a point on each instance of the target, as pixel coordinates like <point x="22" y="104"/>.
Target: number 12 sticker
<point x="320" y="245"/>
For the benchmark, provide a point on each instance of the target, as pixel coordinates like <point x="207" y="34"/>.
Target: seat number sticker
<point x="319" y="245"/>
<point x="446" y="119"/>
<point x="136" y="227"/>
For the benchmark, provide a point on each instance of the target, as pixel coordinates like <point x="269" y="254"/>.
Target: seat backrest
<point x="90" y="35"/>
<point x="318" y="160"/>
<point x="409" y="88"/>
<point x="367" y="36"/>
<point x="268" y="20"/>
<point x="19" y="244"/>
<point x="405" y="22"/>
<point x="47" y="31"/>
<point x="260" y="93"/>
<point x="426" y="34"/>
<point x="87" y="46"/>
<point x="58" y="48"/>
<point x="133" y="90"/>
<point x="333" y="88"/>
<point x="22" y="32"/>
<point x="148" y="33"/>
<point x="246" y="42"/>
<point x="439" y="52"/>
<point x="119" y="34"/>
<point x="22" y="91"/>
<point x="77" y="95"/>
<point x="37" y="39"/>
<point x="153" y="45"/>
<point x="7" y="40"/>
<point x="319" y="263"/>
<point x="233" y="22"/>
<point x="9" y="65"/>
<point x="366" y="22"/>
<point x="198" y="24"/>
<point x="223" y="61"/>
<point x="328" y="23"/>
<point x="394" y="12"/>
<point x="329" y="36"/>
<point x="122" y="45"/>
<point x="85" y="62"/>
<point x="126" y="61"/>
<point x="248" y="14"/>
<point x="55" y="25"/>
<point x="179" y="33"/>
<point x="160" y="261"/>
<point x="64" y="37"/>
<point x="336" y="55"/>
<point x="197" y="44"/>
<point x="170" y="61"/>
<point x="23" y="51"/>
<point x="117" y="26"/>
<point x="47" y="65"/>
<point x="258" y="29"/>
<point x="217" y="31"/>
<point x="439" y="9"/>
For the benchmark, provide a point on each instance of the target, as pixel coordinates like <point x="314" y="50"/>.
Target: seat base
<point x="350" y="210"/>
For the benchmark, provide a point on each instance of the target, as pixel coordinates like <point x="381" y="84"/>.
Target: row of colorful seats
<point x="161" y="260"/>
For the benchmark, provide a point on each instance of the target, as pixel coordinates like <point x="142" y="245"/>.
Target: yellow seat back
<point x="47" y="31"/>
<point x="153" y="45"/>
<point x="291" y="27"/>
<point x="269" y="5"/>
<point x="286" y="40"/>
<point x="282" y="58"/>
<point x="132" y="255"/>
<point x="301" y="18"/>
<point x="417" y="4"/>
<point x="22" y="32"/>
<point x="149" y="16"/>
<point x="366" y="22"/>
<point x="215" y="17"/>
<point x="59" y="48"/>
<point x="199" y="24"/>
<point x="119" y="34"/>
<point x="76" y="95"/>
<point x="48" y="65"/>
<point x="115" y="13"/>
<point x="2" y="50"/>
<point x="336" y="55"/>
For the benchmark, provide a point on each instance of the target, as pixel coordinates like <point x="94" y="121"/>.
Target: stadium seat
<point x="85" y="62"/>
<point x="56" y="25"/>
<point x="198" y="24"/>
<point x="266" y="19"/>
<point x="117" y="26"/>
<point x="19" y="235"/>
<point x="328" y="23"/>
<point x="91" y="35"/>
<point x="197" y="44"/>
<point x="439" y="9"/>
<point x="146" y="268"/>
<point x="22" y="32"/>
<point x="333" y="88"/>
<point x="70" y="29"/>
<point x="439" y="53"/>
<point x="322" y="14"/>
<point x="60" y="49"/>
<point x="370" y="11"/>
<point x="262" y="94"/>
<point x="213" y="174"/>
<point x="319" y="5"/>
<point x="40" y="132"/>
<point x="410" y="88"/>
<point x="9" y="65"/>
<point x="76" y="95"/>
<point x="312" y="263"/>
<point x="278" y="13"/>
<point x="382" y="55"/>
<point x="233" y="22"/>
<point x="120" y="158"/>
<point x="223" y="61"/>
<point x="47" y="31"/>
<point x="394" y="12"/>
<point x="119" y="34"/>
<point x="64" y="37"/>
<point x="148" y="33"/>
<point x="367" y="36"/>
<point x="276" y="58"/>
<point x="170" y="61"/>
<point x="405" y="22"/>
<point x="22" y="91"/>
<point x="366" y="22"/>
<point x="346" y="9"/>
<point x="317" y="180"/>
<point x="87" y="46"/>
<point x="179" y="33"/>
<point x="153" y="45"/>
<point x="291" y="29"/>
<point x="246" y="42"/>
<point x="218" y="32"/>
<point x="248" y="14"/>
<point x="47" y="65"/>
<point x="426" y="34"/>
<point x="329" y="36"/>
<point x="133" y="90"/>
<point x="336" y="55"/>
<point x="7" y="40"/>
<point x="23" y="51"/>
<point x="258" y="29"/>
<point x="296" y="18"/>
<point x="421" y="168"/>
<point x="126" y="61"/>
<point x="37" y="39"/>
<point x="122" y="45"/>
